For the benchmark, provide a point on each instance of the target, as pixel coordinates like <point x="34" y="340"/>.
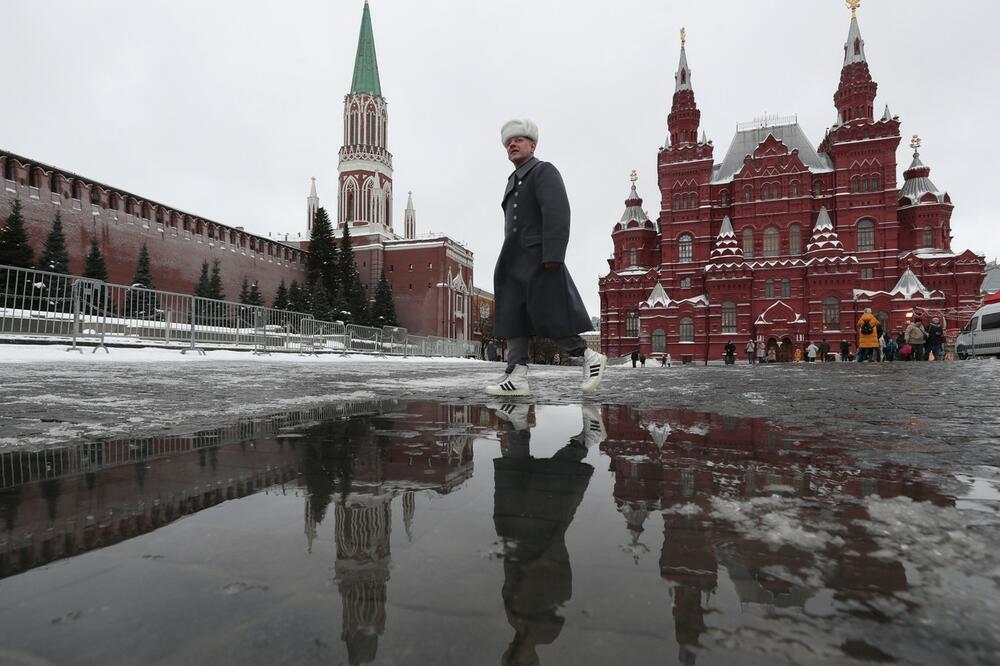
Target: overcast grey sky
<point x="225" y="109"/>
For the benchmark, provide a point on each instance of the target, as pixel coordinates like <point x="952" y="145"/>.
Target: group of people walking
<point x="915" y="343"/>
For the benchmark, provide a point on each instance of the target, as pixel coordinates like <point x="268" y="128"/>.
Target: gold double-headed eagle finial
<point x="854" y="4"/>
<point x="915" y="142"/>
<point x="633" y="176"/>
<point x="683" y="36"/>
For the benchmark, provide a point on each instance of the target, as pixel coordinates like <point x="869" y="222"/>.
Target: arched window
<point x="775" y="190"/>
<point x="686" y="330"/>
<point x="764" y="193"/>
<point x="75" y="189"/>
<point x="772" y="242"/>
<point x="866" y="235"/>
<point x="677" y="202"/>
<point x="875" y="187"/>
<point x="928" y="237"/>
<point x="748" y="243"/>
<point x="659" y="341"/>
<point x="769" y="288"/>
<point x="684" y="247"/>
<point x="724" y="198"/>
<point x="729" y="317"/>
<point x="748" y="194"/>
<point x="855" y="184"/>
<point x="794" y="189"/>
<point x="865" y="184"/>
<point x="632" y="324"/>
<point x="632" y="257"/>
<point x="794" y="240"/>
<point x="817" y="189"/>
<point x="786" y="288"/>
<point x="831" y="314"/>
<point x="694" y="200"/>
<point x="114" y="201"/>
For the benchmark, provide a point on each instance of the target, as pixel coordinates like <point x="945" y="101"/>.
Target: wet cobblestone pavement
<point x="384" y="512"/>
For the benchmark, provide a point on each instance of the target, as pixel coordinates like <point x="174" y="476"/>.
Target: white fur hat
<point x="522" y="127"/>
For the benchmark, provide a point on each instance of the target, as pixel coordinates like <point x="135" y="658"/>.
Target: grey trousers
<point x="517" y="349"/>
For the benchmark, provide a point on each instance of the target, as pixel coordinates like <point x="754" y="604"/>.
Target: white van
<point x="981" y="336"/>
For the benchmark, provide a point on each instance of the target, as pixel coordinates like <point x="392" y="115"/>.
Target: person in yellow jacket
<point x="867" y="336"/>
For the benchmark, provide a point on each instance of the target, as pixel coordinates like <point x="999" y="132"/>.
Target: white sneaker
<point x="593" y="370"/>
<point x="515" y="415"/>
<point x="515" y="384"/>
<point x="593" y="425"/>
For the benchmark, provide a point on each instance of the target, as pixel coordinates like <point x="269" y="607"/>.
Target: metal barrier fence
<point x="38" y="304"/>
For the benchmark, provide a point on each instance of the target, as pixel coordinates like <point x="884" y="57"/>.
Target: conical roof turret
<point x="366" y="79"/>
<point x="634" y="216"/>
<point x="825" y="241"/>
<point x="727" y="249"/>
<point x="917" y="179"/>
<point x="682" y="78"/>
<point x="854" y="47"/>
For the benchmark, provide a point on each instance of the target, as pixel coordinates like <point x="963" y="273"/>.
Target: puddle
<point x="416" y="532"/>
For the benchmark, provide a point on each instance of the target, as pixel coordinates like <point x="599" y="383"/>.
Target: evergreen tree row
<point x="333" y="290"/>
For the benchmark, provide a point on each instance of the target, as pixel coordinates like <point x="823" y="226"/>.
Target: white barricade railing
<point x="394" y="340"/>
<point x="40" y="304"/>
<point x="364" y="339"/>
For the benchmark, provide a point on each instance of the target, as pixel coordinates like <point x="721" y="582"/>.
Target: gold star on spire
<point x="853" y="4"/>
<point x="683" y="37"/>
<point x="633" y="176"/>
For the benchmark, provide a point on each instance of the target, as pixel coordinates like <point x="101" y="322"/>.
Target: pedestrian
<point x="811" y="352"/>
<point x="867" y="336"/>
<point x="667" y="361"/>
<point x="535" y="294"/>
<point x="845" y="350"/>
<point x="824" y="351"/>
<point x="772" y="355"/>
<point x="642" y="359"/>
<point x="491" y="350"/>
<point x="916" y="337"/>
<point x="635" y="357"/>
<point x="751" y="347"/>
<point x="889" y="348"/>
<point x="730" y="351"/>
<point x="761" y="352"/>
<point x="935" y="339"/>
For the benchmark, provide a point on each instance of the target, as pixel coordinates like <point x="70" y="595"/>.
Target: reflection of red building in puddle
<point x="423" y="446"/>
<point x="740" y="495"/>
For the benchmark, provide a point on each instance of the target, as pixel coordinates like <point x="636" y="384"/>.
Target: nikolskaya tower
<point x="365" y="169"/>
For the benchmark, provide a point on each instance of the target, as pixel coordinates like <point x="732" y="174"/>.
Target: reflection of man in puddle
<point x="534" y="503"/>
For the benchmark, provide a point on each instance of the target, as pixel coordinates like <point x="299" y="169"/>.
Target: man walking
<point x="535" y="294"/>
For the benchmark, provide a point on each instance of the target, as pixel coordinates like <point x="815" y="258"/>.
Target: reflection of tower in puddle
<point x="362" y="530"/>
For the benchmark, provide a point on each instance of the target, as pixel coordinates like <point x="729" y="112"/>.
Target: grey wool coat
<point x="530" y="299"/>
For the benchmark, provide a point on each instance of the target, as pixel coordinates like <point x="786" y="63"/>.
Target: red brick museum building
<point x="782" y="241"/>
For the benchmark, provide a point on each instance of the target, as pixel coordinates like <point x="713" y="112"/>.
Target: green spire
<point x="365" y="63"/>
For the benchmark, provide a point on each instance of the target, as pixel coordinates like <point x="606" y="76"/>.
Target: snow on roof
<point x="776" y="310"/>
<point x="908" y="286"/>
<point x="991" y="283"/>
<point x="746" y="140"/>
<point x="658" y="297"/>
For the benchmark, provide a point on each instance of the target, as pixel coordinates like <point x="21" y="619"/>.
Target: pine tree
<point x="281" y="296"/>
<point x="201" y="288"/>
<point x="55" y="257"/>
<point x="355" y="310"/>
<point x="384" y="308"/>
<point x="95" y="267"/>
<point x="297" y="298"/>
<point x="320" y="302"/>
<point x="142" y="277"/>
<point x="142" y="303"/>
<point x="215" y="289"/>
<point x="254" y="296"/>
<point x="322" y="263"/>
<point x="14" y="247"/>
<point x="245" y="291"/>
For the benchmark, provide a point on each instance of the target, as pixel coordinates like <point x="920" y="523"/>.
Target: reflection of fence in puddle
<point x="21" y="467"/>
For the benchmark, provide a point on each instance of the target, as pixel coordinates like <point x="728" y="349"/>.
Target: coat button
<point x="519" y="183"/>
<point x="516" y="194"/>
<point x="515" y="217"/>
<point x="515" y="205"/>
<point x="514" y="230"/>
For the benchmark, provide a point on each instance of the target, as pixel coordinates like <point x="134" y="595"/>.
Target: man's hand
<point x="549" y="265"/>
